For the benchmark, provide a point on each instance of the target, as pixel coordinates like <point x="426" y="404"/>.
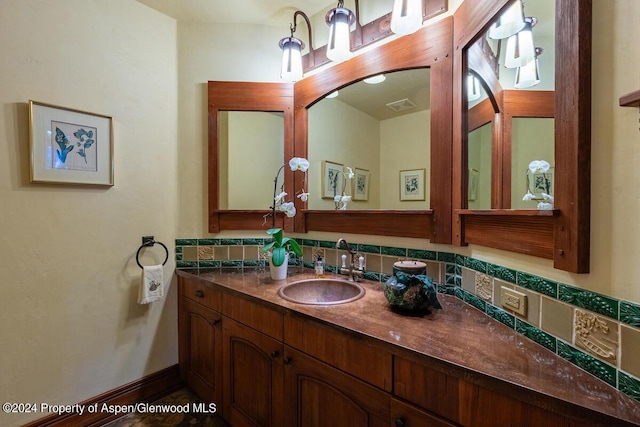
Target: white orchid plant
<point x="342" y="200"/>
<point x="541" y="168"/>
<point x="279" y="203"/>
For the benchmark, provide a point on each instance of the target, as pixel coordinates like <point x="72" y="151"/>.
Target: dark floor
<point x="180" y="398"/>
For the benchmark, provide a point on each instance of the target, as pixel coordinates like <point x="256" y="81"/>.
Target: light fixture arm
<point x="311" y="55"/>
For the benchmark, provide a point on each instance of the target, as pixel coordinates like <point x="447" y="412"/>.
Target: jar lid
<point x="410" y="266"/>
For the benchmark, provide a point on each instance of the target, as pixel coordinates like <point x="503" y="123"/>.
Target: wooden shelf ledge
<point x="631" y="99"/>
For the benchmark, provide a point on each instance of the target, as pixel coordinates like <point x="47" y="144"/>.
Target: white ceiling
<point x="270" y="12"/>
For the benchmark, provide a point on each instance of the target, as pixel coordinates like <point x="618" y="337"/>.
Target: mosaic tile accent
<point x="630" y="313"/>
<point x="205" y="252"/>
<point x="389" y="250"/>
<point x="371" y="249"/>
<point x="589" y="363"/>
<point x="501" y="316"/>
<point x="629" y="385"/>
<point x="484" y="286"/>
<point x="626" y="312"/>
<point x="422" y="254"/>
<point x="502" y="273"/>
<point x="589" y="300"/>
<point x="537" y="335"/>
<point x="538" y="284"/>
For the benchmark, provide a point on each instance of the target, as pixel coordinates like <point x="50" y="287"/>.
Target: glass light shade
<point x="509" y="23"/>
<point x="406" y="17"/>
<point x="291" y="70"/>
<point x="520" y="49"/>
<point x="339" y="46"/>
<point x="528" y="75"/>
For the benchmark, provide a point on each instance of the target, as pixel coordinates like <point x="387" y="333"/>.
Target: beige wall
<point x="70" y="327"/>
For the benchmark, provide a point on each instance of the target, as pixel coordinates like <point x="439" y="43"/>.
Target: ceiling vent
<point x="401" y="105"/>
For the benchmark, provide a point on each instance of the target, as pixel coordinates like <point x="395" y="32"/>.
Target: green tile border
<point x="623" y="311"/>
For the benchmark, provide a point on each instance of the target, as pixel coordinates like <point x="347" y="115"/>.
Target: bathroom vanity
<point x="270" y="362"/>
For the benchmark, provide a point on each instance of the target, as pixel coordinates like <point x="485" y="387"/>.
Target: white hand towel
<point x="152" y="284"/>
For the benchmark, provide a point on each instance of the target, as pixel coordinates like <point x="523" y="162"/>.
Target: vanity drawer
<point x="410" y="416"/>
<point x="349" y="352"/>
<point x="426" y="387"/>
<point x="253" y="314"/>
<point x="201" y="293"/>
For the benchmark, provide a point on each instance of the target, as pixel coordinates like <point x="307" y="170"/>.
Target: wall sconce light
<point x="509" y="23"/>
<point x="292" y="47"/>
<point x="406" y="16"/>
<point x="339" y="21"/>
<point x="520" y="47"/>
<point x="528" y="75"/>
<point x="374" y="80"/>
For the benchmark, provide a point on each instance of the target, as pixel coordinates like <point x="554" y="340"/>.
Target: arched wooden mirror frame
<point x="562" y="234"/>
<point x="428" y="47"/>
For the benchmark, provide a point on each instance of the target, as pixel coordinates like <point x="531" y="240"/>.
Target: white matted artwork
<point x="540" y="182"/>
<point x="361" y="184"/>
<point x="332" y="179"/>
<point x="412" y="184"/>
<point x="70" y="146"/>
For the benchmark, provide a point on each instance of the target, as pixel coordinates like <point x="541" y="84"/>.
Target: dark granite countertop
<point x="458" y="336"/>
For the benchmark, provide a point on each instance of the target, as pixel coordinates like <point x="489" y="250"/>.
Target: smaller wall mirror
<point x="244" y="137"/>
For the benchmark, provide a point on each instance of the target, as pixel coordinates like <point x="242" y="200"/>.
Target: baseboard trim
<point x="146" y="389"/>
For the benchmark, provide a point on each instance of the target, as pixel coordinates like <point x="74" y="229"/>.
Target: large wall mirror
<point x="379" y="130"/>
<point x="384" y="148"/>
<point x="520" y="123"/>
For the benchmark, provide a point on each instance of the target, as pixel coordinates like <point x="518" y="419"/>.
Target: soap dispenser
<point x="319" y="267"/>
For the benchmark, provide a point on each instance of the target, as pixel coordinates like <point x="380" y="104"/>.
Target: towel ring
<point x="151" y="243"/>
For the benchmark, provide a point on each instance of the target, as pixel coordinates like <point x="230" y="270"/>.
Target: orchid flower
<point x="280" y="197"/>
<point x="299" y="163"/>
<point x="350" y="174"/>
<point x="303" y="196"/>
<point x="288" y="208"/>
<point x="528" y="197"/>
<point x="547" y="197"/>
<point x="539" y="166"/>
<point x="545" y="206"/>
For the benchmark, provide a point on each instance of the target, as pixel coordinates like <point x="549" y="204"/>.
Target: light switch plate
<point x="513" y="300"/>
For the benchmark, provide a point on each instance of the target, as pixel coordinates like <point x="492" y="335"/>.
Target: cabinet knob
<point x="287" y="360"/>
<point x="399" y="422"/>
<point x="217" y="322"/>
<point x="275" y="353"/>
<point x="200" y="293"/>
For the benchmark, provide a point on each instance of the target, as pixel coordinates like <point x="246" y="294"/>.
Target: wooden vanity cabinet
<point x="200" y="339"/>
<point x="252" y="376"/>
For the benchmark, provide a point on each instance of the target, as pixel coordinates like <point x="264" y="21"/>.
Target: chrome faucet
<point x="352" y="271"/>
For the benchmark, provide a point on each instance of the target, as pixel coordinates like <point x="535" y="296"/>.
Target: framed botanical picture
<point x="70" y="146"/>
<point x="540" y="182"/>
<point x="473" y="184"/>
<point x="332" y="179"/>
<point x="412" y="184"/>
<point x="361" y="185"/>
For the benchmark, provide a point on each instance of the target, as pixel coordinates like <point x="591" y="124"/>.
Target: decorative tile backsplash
<point x="594" y="332"/>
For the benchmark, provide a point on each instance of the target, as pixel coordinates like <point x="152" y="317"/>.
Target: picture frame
<point x="69" y="146"/>
<point x="474" y="174"/>
<point x="412" y="184"/>
<point x="361" y="185"/>
<point x="332" y="179"/>
<point x="540" y="182"/>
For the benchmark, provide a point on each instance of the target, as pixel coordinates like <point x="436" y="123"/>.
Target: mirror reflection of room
<point x="381" y="133"/>
<point x="518" y="57"/>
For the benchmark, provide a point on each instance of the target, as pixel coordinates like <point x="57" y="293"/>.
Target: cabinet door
<point x="200" y="348"/>
<point x="253" y="376"/>
<point x="319" y="395"/>
<point x="403" y="415"/>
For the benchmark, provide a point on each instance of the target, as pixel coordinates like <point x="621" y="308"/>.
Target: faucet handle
<point x="361" y="263"/>
<point x="344" y="261"/>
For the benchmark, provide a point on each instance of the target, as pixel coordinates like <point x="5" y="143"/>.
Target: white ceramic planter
<point x="279" y="273"/>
